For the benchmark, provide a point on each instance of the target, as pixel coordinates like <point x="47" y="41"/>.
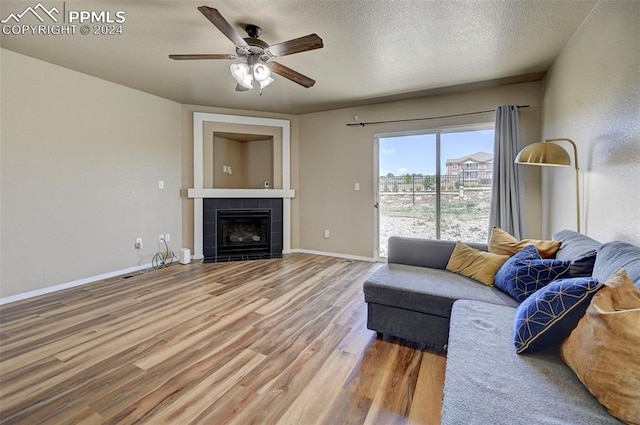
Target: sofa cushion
<point x="604" y="349"/>
<point x="476" y="264"/>
<point x="613" y="256"/>
<point x="423" y="252"/>
<point x="426" y="290"/>
<point x="579" y="249"/>
<point x="526" y="272"/>
<point x="549" y="315"/>
<point x="503" y="243"/>
<point x="486" y="382"/>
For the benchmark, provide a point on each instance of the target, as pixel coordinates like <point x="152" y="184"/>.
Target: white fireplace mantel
<point x="240" y="193"/>
<point x="198" y="192"/>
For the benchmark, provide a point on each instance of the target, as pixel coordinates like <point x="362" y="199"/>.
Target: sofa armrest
<point x="423" y="252"/>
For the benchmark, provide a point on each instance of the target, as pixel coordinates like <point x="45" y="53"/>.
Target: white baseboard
<point x="334" y="254"/>
<point x="73" y="284"/>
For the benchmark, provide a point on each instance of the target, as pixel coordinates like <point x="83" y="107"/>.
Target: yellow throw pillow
<point x="479" y="265"/>
<point x="503" y="243"/>
<point x="604" y="348"/>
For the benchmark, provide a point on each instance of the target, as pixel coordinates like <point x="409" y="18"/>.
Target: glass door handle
<point x="376" y="205"/>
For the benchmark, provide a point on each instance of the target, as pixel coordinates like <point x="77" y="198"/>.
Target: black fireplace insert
<point x="243" y="232"/>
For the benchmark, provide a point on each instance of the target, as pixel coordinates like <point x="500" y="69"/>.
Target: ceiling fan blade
<point x="225" y="27"/>
<point x="292" y="75"/>
<point x="297" y="45"/>
<point x="205" y="56"/>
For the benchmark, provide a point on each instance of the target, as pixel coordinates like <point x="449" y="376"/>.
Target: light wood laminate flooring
<point x="279" y="341"/>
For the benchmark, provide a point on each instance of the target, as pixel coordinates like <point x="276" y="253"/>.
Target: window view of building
<point x="474" y="170"/>
<point x="425" y="196"/>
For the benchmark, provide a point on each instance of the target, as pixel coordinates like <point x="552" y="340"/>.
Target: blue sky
<point x="416" y="154"/>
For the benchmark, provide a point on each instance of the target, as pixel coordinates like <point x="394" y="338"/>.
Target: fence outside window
<point x="427" y="183"/>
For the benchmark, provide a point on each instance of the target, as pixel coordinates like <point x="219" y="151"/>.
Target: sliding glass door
<point x="406" y="188"/>
<point x="434" y="185"/>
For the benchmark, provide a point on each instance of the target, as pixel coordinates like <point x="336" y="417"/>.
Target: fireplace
<point x="243" y="232"/>
<point x="237" y="229"/>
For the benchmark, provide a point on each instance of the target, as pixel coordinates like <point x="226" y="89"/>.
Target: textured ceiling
<point x="373" y="49"/>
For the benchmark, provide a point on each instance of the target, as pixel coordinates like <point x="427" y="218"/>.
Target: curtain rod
<point x="362" y="124"/>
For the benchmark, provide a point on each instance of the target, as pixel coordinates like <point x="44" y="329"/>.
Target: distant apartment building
<point x="472" y="170"/>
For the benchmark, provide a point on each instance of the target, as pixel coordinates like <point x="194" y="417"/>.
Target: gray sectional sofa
<point x="412" y="295"/>
<point x="416" y="298"/>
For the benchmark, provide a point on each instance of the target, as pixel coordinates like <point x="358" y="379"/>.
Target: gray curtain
<point x="507" y="178"/>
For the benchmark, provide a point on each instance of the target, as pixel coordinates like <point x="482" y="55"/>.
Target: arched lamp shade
<point x="544" y="154"/>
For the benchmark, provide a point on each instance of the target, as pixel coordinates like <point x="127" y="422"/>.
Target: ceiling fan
<point x="257" y="56"/>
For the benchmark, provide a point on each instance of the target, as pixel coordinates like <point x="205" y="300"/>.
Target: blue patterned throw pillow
<point x="526" y="272"/>
<point x="548" y="316"/>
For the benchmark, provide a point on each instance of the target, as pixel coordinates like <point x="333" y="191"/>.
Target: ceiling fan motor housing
<point x="255" y="48"/>
<point x="253" y="31"/>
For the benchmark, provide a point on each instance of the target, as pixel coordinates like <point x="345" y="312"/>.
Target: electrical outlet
<point x="160" y="238"/>
<point x="160" y="184"/>
<point x="356" y="186"/>
<point x="139" y="243"/>
<point x="167" y="237"/>
<point x="326" y="233"/>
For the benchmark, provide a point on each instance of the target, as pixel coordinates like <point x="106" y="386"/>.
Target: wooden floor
<point x="262" y="342"/>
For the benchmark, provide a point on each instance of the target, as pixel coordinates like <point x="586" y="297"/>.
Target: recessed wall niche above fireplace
<point x="242" y="160"/>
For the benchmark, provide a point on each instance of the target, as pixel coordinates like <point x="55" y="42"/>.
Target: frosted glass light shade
<point x="242" y="74"/>
<point x="261" y="72"/>
<point x="266" y="82"/>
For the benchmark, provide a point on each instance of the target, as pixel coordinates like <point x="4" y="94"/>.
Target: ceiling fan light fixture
<point x="242" y="74"/>
<point x="266" y="82"/>
<point x="254" y="54"/>
<point x="253" y="71"/>
<point x="261" y="72"/>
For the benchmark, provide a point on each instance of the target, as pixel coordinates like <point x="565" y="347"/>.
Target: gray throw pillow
<point x="613" y="256"/>
<point x="579" y="249"/>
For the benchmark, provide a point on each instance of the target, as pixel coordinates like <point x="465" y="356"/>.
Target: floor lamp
<point x="549" y="154"/>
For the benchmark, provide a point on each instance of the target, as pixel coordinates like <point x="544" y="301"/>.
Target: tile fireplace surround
<point x="246" y="199"/>
<point x="210" y="235"/>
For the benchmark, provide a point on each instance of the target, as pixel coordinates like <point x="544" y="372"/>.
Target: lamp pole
<point x="575" y="161"/>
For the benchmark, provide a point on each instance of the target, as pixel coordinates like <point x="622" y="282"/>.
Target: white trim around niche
<point x="199" y="118"/>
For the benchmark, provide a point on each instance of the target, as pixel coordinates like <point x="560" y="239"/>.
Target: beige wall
<point x="229" y="153"/>
<point x="81" y="161"/>
<point x="592" y="95"/>
<point x="258" y="163"/>
<point x="333" y="157"/>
